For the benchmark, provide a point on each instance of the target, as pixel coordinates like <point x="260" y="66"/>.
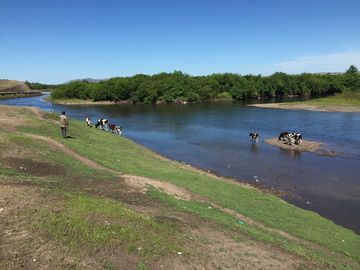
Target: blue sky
<point x="53" y="42"/>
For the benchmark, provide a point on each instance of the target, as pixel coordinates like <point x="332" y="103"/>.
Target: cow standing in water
<point x="254" y="137"/>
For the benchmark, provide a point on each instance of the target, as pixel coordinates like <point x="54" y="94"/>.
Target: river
<point x="215" y="136"/>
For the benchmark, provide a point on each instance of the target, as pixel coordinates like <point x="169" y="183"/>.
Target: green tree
<point x="352" y="79"/>
<point x="28" y="84"/>
<point x="352" y="70"/>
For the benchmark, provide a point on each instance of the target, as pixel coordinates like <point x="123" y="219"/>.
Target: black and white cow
<point x="88" y="122"/>
<point x="294" y="138"/>
<point x="102" y="123"/>
<point x="297" y="137"/>
<point x="118" y="129"/>
<point x="289" y="139"/>
<point x="254" y="137"/>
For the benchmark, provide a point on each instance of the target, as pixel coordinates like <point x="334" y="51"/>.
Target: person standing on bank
<point x="63" y="124"/>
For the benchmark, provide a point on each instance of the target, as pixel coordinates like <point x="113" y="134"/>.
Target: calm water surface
<point x="215" y="136"/>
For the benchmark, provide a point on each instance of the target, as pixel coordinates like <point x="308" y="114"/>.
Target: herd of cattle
<point x="290" y="138"/>
<point x="104" y="123"/>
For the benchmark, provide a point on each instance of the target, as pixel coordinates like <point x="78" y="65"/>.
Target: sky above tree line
<point x="53" y="42"/>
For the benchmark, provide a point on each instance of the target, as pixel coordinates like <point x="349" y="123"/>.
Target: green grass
<point x="83" y="220"/>
<point x="343" y="99"/>
<point x="265" y="208"/>
<point x="88" y="214"/>
<point x="255" y="232"/>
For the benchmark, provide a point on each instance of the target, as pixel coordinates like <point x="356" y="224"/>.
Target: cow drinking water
<point x="118" y="129"/>
<point x="111" y="127"/>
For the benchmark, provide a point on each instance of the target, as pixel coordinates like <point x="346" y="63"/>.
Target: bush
<point x="192" y="97"/>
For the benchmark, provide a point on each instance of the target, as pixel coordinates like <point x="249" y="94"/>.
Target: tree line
<point x="178" y="86"/>
<point x="41" y="86"/>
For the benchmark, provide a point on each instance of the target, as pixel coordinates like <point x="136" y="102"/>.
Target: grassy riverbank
<point x="343" y="99"/>
<point x="99" y="199"/>
<point x="345" y="102"/>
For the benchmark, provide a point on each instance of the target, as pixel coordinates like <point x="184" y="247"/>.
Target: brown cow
<point x="283" y="135"/>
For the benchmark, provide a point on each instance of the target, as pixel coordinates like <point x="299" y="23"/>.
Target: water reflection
<point x="254" y="147"/>
<point x="290" y="153"/>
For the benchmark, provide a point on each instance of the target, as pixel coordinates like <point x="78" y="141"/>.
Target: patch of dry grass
<point x="5" y="84"/>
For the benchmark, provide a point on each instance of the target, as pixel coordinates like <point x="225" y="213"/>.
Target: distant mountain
<point x="331" y="73"/>
<point x="87" y="79"/>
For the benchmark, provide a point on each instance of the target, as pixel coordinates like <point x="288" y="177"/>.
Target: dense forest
<point x="180" y="87"/>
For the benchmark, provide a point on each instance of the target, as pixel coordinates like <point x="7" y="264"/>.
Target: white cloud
<point x="337" y="62"/>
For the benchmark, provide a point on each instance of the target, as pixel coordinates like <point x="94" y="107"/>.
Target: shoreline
<point x="305" y="146"/>
<point x="306" y="107"/>
<point x="281" y="106"/>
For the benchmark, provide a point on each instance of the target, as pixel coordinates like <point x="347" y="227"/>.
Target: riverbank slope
<point x="112" y="203"/>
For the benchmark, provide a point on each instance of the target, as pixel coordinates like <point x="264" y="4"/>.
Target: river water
<point x="215" y="136"/>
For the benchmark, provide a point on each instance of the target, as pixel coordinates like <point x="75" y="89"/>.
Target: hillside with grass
<point x="13" y="86"/>
<point x="97" y="200"/>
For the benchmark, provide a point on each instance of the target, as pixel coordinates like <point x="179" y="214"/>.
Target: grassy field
<point x="343" y="99"/>
<point x="88" y="210"/>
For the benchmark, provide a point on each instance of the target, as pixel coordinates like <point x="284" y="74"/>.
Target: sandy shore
<point x="308" y="107"/>
<point x="305" y="146"/>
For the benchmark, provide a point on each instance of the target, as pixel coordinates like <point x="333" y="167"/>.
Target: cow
<point x="101" y="123"/>
<point x="88" y="122"/>
<point x="118" y="129"/>
<point x="293" y="138"/>
<point x="283" y="135"/>
<point x="254" y="137"/>
<point x="289" y="139"/>
<point x="111" y="127"/>
<point x="297" y="137"/>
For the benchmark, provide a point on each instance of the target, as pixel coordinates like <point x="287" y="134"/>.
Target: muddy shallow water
<point x="215" y="136"/>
